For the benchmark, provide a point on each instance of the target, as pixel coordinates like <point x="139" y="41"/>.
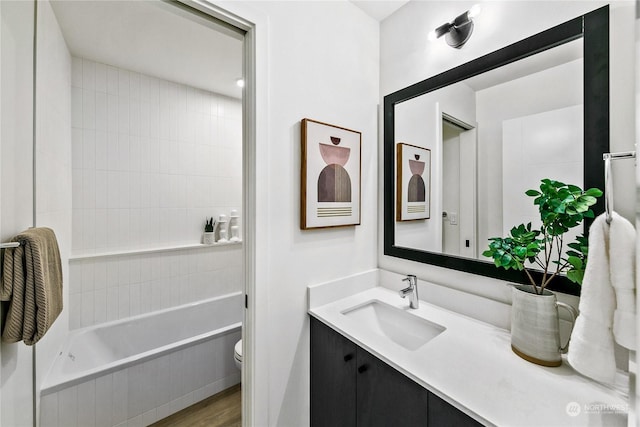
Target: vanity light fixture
<point x="459" y="31"/>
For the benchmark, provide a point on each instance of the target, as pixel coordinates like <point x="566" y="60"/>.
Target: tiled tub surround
<point x="107" y="288"/>
<point x="138" y="377"/>
<point x="470" y="365"/>
<point x="151" y="159"/>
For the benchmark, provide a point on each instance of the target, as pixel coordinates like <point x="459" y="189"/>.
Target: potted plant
<point x="534" y="311"/>
<point x="209" y="235"/>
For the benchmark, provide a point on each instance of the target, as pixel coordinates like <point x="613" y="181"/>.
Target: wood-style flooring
<point x="220" y="410"/>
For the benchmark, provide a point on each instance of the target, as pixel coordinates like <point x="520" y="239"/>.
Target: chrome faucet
<point x="412" y="290"/>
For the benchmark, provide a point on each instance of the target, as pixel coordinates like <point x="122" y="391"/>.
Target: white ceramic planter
<point x="535" y="326"/>
<point x="208" y="237"/>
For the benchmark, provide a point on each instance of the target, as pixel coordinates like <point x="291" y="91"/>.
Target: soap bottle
<point x="222" y="228"/>
<point x="234" y="228"/>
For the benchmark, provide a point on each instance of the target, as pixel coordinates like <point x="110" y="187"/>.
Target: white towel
<point x="591" y="351"/>
<point x="611" y="259"/>
<point x="622" y="265"/>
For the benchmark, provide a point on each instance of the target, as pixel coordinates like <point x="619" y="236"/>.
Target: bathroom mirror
<point x="476" y="137"/>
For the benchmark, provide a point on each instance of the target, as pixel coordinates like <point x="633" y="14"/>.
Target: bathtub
<point x="144" y="368"/>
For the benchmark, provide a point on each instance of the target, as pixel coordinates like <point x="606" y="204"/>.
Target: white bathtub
<point x="146" y="367"/>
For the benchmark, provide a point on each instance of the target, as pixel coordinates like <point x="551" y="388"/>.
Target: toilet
<point x="237" y="354"/>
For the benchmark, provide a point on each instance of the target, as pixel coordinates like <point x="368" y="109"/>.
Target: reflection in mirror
<point x="495" y="126"/>
<point x="492" y="137"/>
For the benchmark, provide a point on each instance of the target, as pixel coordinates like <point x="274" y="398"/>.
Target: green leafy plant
<point x="562" y="207"/>
<point x="208" y="227"/>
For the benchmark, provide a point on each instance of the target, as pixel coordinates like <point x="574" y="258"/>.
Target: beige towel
<point x="32" y="283"/>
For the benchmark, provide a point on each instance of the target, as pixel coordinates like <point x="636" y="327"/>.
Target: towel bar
<point x="608" y="184"/>
<point x="10" y="245"/>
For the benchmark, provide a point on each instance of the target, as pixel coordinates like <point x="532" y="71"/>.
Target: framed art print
<point x="413" y="182"/>
<point x="330" y="176"/>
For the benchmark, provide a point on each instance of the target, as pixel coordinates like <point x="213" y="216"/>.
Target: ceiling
<point x="379" y="9"/>
<point x="154" y="38"/>
<point x="545" y="60"/>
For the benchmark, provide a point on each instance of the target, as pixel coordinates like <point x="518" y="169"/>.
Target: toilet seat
<point x="237" y="354"/>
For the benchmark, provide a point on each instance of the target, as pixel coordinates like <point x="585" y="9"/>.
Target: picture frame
<point x="413" y="182"/>
<point x="331" y="171"/>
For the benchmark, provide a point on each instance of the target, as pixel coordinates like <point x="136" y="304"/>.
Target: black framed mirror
<point x="592" y="29"/>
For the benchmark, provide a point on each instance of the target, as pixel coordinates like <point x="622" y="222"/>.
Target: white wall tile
<point x="101" y="191"/>
<point x="49" y="410"/>
<point x="75" y="278"/>
<point x="88" y="109"/>
<point x="101" y="230"/>
<point x="112" y="113"/>
<point x="89" y="189"/>
<point x="124" y="308"/>
<point x="101" y="150"/>
<point x="123" y="114"/>
<point x="75" y="314"/>
<point x="123" y="83"/>
<point x="101" y="78"/>
<point x="104" y="398"/>
<point x="112" y="304"/>
<point x="68" y="407"/>
<point x="86" y="404"/>
<point x="112" y="80"/>
<point x="76" y="228"/>
<point x="100" y="306"/>
<point x="120" y="396"/>
<point x="87" y="269"/>
<point x="148" y="167"/>
<point x="88" y="75"/>
<point x="89" y="229"/>
<point x="76" y="72"/>
<point x="77" y="153"/>
<point x="76" y="107"/>
<point x="136" y="390"/>
<point x="102" y="112"/>
<point x="88" y="310"/>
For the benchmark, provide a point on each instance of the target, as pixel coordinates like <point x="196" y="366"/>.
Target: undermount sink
<point x="400" y="326"/>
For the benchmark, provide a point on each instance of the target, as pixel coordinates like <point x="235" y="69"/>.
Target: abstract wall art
<point x="330" y="175"/>
<point x="413" y="182"/>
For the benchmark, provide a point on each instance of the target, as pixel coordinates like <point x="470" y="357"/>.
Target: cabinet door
<point x="333" y="378"/>
<point x="443" y="414"/>
<point x="385" y="397"/>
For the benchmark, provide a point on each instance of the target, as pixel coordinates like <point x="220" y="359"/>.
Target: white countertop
<point x="471" y="366"/>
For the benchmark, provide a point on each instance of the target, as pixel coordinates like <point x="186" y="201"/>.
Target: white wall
<point x="408" y="57"/>
<point x="53" y="163"/>
<point x="548" y="90"/>
<point x="322" y="64"/>
<point x="16" y="203"/>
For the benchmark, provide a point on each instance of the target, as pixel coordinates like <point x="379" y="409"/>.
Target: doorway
<point x="458" y="187"/>
<point x="167" y="166"/>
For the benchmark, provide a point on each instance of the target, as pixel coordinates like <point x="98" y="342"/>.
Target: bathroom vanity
<point x="352" y="387"/>
<point x="375" y="361"/>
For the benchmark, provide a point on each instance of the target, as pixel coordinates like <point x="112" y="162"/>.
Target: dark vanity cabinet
<point x="333" y="378"/>
<point x="351" y="387"/>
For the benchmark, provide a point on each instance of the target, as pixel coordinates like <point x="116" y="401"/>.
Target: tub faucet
<point x="412" y="290"/>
